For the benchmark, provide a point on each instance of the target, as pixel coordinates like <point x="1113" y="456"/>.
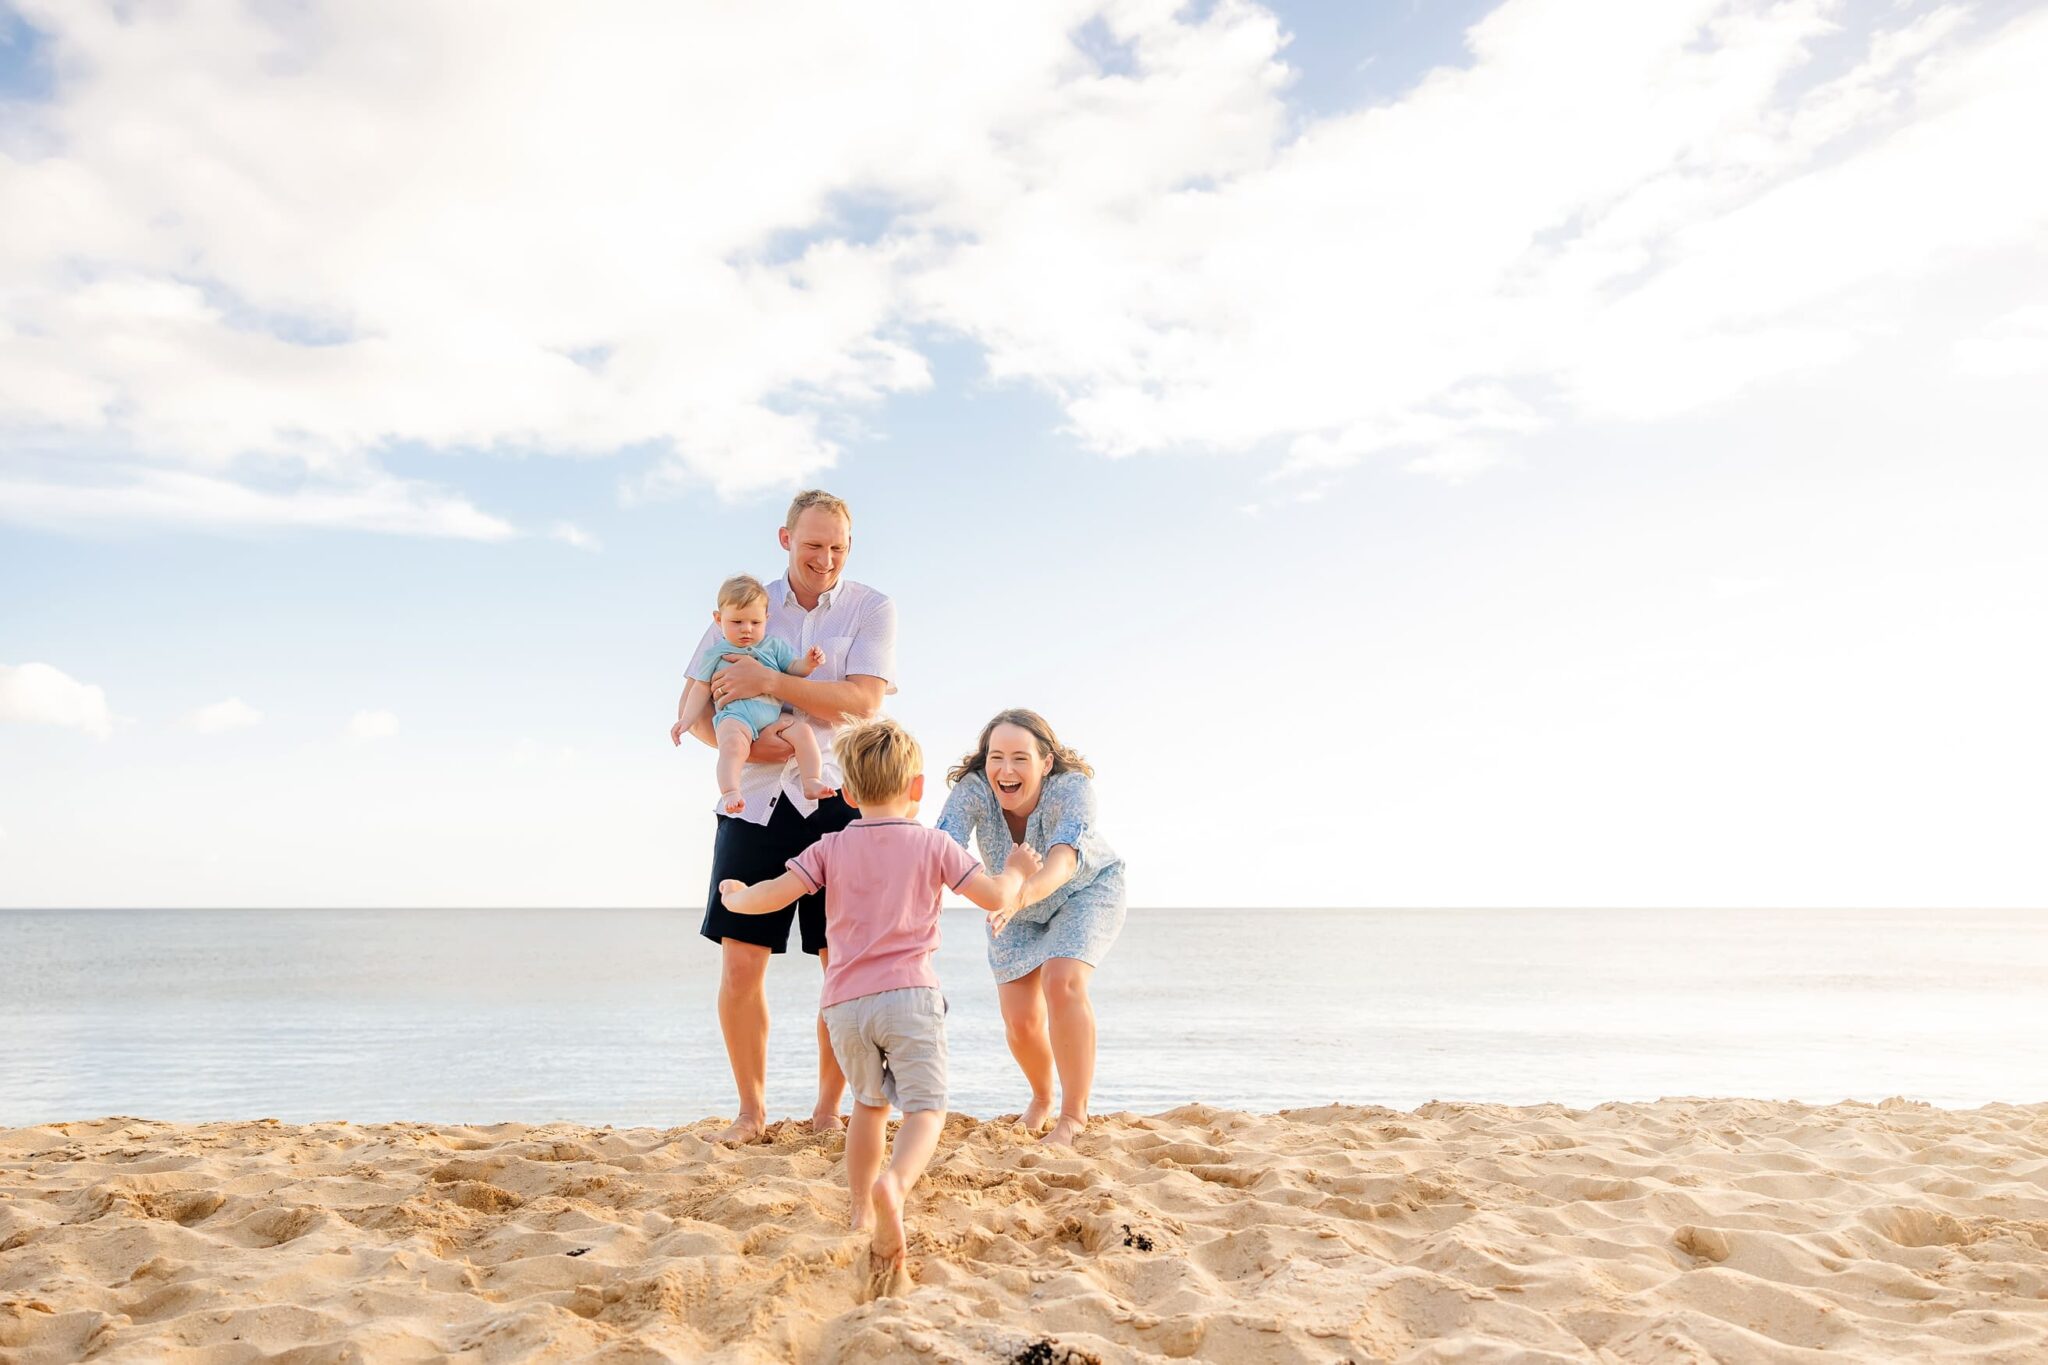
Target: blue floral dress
<point x="1080" y="919"/>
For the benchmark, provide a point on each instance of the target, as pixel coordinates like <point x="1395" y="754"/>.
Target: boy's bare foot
<point x="887" y="1278"/>
<point x="886" y="1272"/>
<point x="828" y="1121"/>
<point x="744" y="1130"/>
<point x="816" y="791"/>
<point x="1065" y="1131"/>
<point x="1037" y="1115"/>
<point x="732" y="803"/>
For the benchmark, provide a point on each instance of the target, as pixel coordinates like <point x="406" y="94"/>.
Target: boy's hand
<point x="730" y="886"/>
<point x="1025" y="859"/>
<point x="814" y="659"/>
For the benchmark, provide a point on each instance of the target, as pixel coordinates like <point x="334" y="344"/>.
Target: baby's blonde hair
<point x="741" y="590"/>
<point x="878" y="760"/>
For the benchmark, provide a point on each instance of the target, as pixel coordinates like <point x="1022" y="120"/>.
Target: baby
<point x="742" y="614"/>
<point x="881" y="1005"/>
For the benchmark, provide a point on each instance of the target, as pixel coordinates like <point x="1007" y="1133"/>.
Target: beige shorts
<point x="892" y="1047"/>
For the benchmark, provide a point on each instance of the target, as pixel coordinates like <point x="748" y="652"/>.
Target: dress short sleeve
<point x="962" y="810"/>
<point x="1076" y="811"/>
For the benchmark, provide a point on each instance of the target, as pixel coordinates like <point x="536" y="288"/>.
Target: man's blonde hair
<point x="741" y="590"/>
<point x="816" y="497"/>
<point x="877" y="761"/>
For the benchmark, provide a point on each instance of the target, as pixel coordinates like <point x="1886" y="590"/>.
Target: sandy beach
<point x="1684" y="1230"/>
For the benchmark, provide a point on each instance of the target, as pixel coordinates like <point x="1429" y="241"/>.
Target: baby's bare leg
<point x="734" y="740"/>
<point x="809" y="761"/>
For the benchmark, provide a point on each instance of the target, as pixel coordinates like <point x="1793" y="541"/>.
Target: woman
<point x="1021" y="785"/>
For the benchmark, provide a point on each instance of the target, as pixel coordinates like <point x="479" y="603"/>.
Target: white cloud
<point x="271" y="242"/>
<point x="38" y="694"/>
<point x="573" y="535"/>
<point x="222" y="716"/>
<point x="365" y="726"/>
<point x="2016" y="344"/>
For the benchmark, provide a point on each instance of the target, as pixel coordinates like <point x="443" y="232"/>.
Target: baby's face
<point x="746" y="625"/>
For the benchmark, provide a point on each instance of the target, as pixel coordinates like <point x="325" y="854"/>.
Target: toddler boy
<point x="882" y="877"/>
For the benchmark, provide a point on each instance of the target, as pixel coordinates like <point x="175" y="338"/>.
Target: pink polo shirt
<point x="881" y="880"/>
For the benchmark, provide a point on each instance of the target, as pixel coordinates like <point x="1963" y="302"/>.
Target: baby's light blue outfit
<point x="1079" y="920"/>
<point x="756" y="713"/>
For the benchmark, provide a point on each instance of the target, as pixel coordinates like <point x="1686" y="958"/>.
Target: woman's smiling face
<point x="1016" y="768"/>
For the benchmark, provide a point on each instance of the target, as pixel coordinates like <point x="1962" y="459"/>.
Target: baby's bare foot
<point x="732" y="803"/>
<point x="816" y="791"/>
<point x="745" y="1129"/>
<point x="1065" y="1131"/>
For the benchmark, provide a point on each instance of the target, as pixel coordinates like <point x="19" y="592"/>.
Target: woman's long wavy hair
<point x="1064" y="760"/>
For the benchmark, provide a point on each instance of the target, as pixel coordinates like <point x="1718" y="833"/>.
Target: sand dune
<point x="1685" y="1230"/>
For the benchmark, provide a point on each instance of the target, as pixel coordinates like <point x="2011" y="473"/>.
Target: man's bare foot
<point x="744" y="1129"/>
<point x="816" y="791"/>
<point x="732" y="803"/>
<point x="886" y="1272"/>
<point x="1037" y="1115"/>
<point x="828" y="1121"/>
<point x="1065" y="1131"/>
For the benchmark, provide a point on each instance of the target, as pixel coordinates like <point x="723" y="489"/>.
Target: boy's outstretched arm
<point x="1000" y="895"/>
<point x="762" y="898"/>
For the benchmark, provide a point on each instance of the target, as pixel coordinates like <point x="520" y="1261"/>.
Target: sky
<point x="1555" y="452"/>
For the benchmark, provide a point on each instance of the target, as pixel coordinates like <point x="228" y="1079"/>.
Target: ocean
<point x="597" y="1016"/>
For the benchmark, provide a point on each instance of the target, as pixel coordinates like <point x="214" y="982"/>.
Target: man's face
<point x="817" y="547"/>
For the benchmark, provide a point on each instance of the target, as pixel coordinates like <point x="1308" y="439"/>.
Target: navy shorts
<point x="758" y="853"/>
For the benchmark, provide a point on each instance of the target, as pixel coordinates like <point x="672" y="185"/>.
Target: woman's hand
<point x="1025" y="859"/>
<point x="675" y="733"/>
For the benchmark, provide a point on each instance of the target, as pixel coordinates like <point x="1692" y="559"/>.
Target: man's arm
<point x="762" y="898"/>
<point x="835" y="703"/>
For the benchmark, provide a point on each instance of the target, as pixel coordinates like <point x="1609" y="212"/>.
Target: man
<point x="855" y="626"/>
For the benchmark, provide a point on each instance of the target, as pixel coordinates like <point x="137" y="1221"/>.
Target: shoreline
<point x="1676" y="1230"/>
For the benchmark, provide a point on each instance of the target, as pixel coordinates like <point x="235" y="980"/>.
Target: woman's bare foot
<point x="732" y="803"/>
<point x="1037" y="1115"/>
<point x="828" y="1121"/>
<point x="886" y="1272"/>
<point x="745" y="1129"/>
<point x="1065" y="1131"/>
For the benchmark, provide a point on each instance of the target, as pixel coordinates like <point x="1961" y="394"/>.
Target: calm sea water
<point x="607" y="1016"/>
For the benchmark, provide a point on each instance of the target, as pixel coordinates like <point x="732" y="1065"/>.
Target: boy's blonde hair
<point x="877" y="761"/>
<point x="741" y="590"/>
<point x="816" y="497"/>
